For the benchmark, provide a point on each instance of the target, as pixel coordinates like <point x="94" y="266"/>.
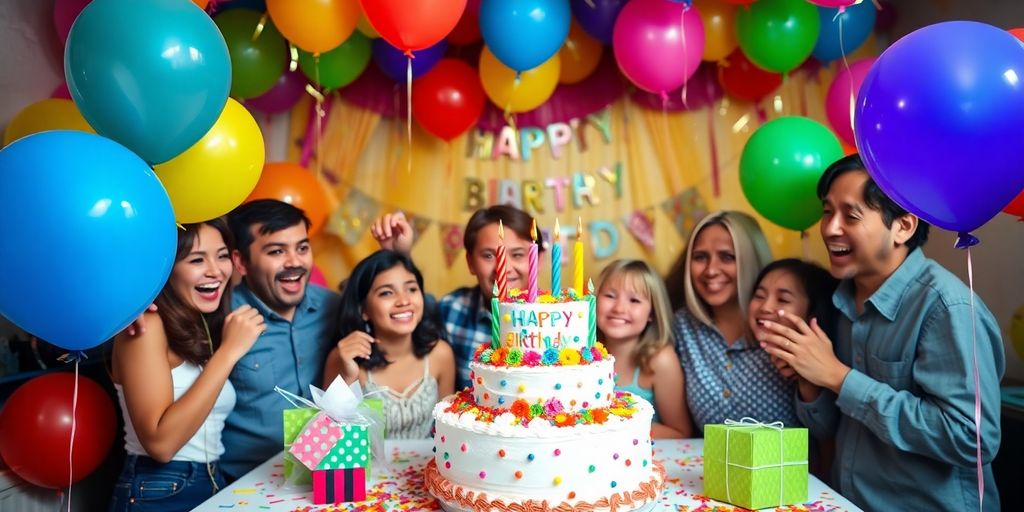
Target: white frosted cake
<point x="542" y="427"/>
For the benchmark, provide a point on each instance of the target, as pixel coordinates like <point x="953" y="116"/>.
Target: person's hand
<point x="138" y="326"/>
<point x="784" y="368"/>
<point x="806" y="349"/>
<point x="393" y="233"/>
<point x="241" y="328"/>
<point x="356" y="344"/>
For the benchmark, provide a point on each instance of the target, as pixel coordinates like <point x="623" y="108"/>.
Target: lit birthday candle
<point x="500" y="269"/>
<point x="556" y="262"/>
<point x="531" y="293"/>
<point x="577" y="259"/>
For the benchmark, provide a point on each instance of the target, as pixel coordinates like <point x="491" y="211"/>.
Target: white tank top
<point x="205" y="445"/>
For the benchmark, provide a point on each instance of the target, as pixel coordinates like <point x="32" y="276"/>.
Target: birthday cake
<point x="542" y="427"/>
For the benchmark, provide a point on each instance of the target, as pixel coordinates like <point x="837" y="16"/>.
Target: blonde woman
<point x="728" y="375"/>
<point x="634" y="321"/>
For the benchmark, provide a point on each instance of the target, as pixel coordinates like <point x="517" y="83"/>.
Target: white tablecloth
<point x="401" y="488"/>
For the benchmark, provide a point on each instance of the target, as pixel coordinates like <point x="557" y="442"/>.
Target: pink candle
<point x="532" y="292"/>
<point x="500" y="270"/>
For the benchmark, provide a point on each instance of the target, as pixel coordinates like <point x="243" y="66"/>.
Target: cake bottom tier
<point x="457" y="498"/>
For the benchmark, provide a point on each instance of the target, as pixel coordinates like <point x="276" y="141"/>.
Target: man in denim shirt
<point x="896" y="389"/>
<point x="274" y="257"/>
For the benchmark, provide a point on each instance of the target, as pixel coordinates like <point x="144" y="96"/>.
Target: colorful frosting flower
<point x="587" y="354"/>
<point x="480" y="349"/>
<point x="498" y="356"/>
<point x="600" y="348"/>
<point x="520" y="408"/>
<point x="485" y="356"/>
<point x="546" y="299"/>
<point x="569" y="357"/>
<point x="550" y="357"/>
<point x="536" y="410"/>
<point x="531" y="358"/>
<point x="596" y="354"/>
<point x="587" y="416"/>
<point x="553" y="406"/>
<point x="600" y="415"/>
<point x="514" y="357"/>
<point x="565" y="419"/>
<point x="622" y="411"/>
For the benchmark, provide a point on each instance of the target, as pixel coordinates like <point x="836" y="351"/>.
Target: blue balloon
<point x="525" y="33"/>
<point x="938" y="122"/>
<point x="393" y="62"/>
<point x="153" y="77"/>
<point x="858" y="21"/>
<point x="89" y="237"/>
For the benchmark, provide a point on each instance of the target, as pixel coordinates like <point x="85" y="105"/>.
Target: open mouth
<point x="209" y="291"/>
<point x="839" y="250"/>
<point x="405" y="316"/>
<point x="291" y="280"/>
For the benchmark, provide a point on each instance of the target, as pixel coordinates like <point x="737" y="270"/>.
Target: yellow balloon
<point x="217" y="173"/>
<point x="530" y="91"/>
<point x="719" y="28"/>
<point x="363" y="25"/>
<point x="580" y="55"/>
<point x="41" y="116"/>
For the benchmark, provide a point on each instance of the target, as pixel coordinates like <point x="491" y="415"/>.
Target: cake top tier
<point x="566" y="321"/>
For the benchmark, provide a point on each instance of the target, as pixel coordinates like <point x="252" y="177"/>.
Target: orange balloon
<point x="201" y="3"/>
<point x="293" y="184"/>
<point x="719" y="28"/>
<point x="315" y="25"/>
<point x="580" y="55"/>
<point x="529" y="91"/>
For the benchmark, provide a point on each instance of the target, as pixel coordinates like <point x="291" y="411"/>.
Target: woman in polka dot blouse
<point x="728" y="376"/>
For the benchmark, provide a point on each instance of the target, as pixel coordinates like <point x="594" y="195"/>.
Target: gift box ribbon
<point x="751" y="422"/>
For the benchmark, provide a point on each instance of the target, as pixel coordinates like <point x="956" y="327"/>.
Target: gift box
<point x="339" y="485"/>
<point x="295" y="421"/>
<point x="755" y="465"/>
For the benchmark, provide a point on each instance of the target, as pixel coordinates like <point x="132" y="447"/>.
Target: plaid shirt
<point x="468" y="323"/>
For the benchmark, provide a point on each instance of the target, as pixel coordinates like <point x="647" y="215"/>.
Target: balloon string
<point x="849" y="74"/>
<point x="408" y="112"/>
<point x="805" y="245"/>
<point x="686" y="62"/>
<point x="716" y="182"/>
<point x="71" y="448"/>
<point x="319" y="117"/>
<point x="977" y="389"/>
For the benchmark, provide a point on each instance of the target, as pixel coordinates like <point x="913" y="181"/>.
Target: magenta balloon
<point x="64" y="14"/>
<point x="834" y="4"/>
<point x="841" y="98"/>
<point x="651" y="50"/>
<point x="61" y="92"/>
<point x="282" y="96"/>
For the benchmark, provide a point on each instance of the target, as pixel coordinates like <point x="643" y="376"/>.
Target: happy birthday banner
<point x="521" y="143"/>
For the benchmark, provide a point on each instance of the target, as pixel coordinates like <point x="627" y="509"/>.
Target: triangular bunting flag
<point x="640" y="224"/>
<point x="351" y="220"/>
<point x="451" y="241"/>
<point x="685" y="210"/>
<point x="419" y="225"/>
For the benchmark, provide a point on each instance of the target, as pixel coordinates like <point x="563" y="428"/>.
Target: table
<point x="402" y="488"/>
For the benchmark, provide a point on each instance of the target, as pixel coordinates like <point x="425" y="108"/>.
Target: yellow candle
<point x="577" y="258"/>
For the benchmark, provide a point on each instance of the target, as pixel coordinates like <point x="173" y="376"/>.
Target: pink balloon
<point x="835" y="4"/>
<point x="288" y="90"/>
<point x="838" y="105"/>
<point x="64" y="14"/>
<point x="651" y="49"/>
<point x="61" y="92"/>
<point x="317" y="277"/>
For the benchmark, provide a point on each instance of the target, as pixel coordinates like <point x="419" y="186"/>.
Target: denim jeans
<point x="148" y="485"/>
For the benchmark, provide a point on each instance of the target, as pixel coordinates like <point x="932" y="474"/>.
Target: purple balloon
<point x="938" y="122"/>
<point x="597" y="17"/>
<point x="393" y="62"/>
<point x="282" y="96"/>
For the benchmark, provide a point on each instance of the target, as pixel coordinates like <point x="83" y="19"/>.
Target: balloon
<point x="316" y="276"/>
<point x="648" y="37"/>
<point x="153" y="77"/>
<point x="294" y="185"/>
<point x="529" y="91"/>
<point x="777" y="35"/>
<point x="363" y="25"/>
<point x="579" y="56"/>
<point x="1018" y="33"/>
<point x="393" y="62"/>
<point x="780" y="167"/>
<point x="288" y="90"/>
<point x="315" y="25"/>
<point x="742" y="79"/>
<point x="64" y="14"/>
<point x="886" y="17"/>
<point x="840" y="101"/>
<point x="61" y="92"/>
<point x="411" y="25"/>
<point x="213" y="177"/>
<point x="526" y="33"/>
<point x="48" y="114"/>
<point x="703" y="90"/>
<point x="448" y="100"/>
<point x="1016" y="207"/>
<point x="857" y="23"/>
<point x="467" y="30"/>
<point x="201" y="3"/>
<point x="719" y="21"/>
<point x="90" y="222"/>
<point x="35" y="429"/>
<point x="938" y="122"/>
<point x="256" y="64"/>
<point x="340" y="66"/>
<point x="740" y="2"/>
<point x="598" y="17"/>
<point x="836" y="4"/>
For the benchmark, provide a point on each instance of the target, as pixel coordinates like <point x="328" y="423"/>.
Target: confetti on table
<point x="245" y="491"/>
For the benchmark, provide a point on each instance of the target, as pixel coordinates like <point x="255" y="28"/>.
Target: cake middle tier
<point x="575" y="387"/>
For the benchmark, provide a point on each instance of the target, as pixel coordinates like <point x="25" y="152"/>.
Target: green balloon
<point x="780" y="168"/>
<point x="340" y="66"/>
<point x="778" y="35"/>
<point x="255" y="64"/>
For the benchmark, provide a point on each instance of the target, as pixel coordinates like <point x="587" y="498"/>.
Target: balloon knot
<point x="73" y="356"/>
<point x="965" y="240"/>
<point x="408" y="53"/>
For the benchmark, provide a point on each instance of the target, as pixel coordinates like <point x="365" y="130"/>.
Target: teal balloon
<point x="152" y="75"/>
<point x="256" y="64"/>
<point x="777" y="35"/>
<point x="780" y="168"/>
<point x="89" y="237"/>
<point x="340" y="66"/>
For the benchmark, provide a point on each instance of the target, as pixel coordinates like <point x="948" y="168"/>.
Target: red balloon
<point x="1016" y="207"/>
<point x="740" y="2"/>
<point x="1018" y="33"/>
<point x="742" y="79"/>
<point x="35" y="429"/>
<point x="467" y="31"/>
<point x="449" y="99"/>
<point x="411" y="25"/>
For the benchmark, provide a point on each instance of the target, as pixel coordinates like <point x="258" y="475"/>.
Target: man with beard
<point x="274" y="258"/>
<point x="897" y="388"/>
